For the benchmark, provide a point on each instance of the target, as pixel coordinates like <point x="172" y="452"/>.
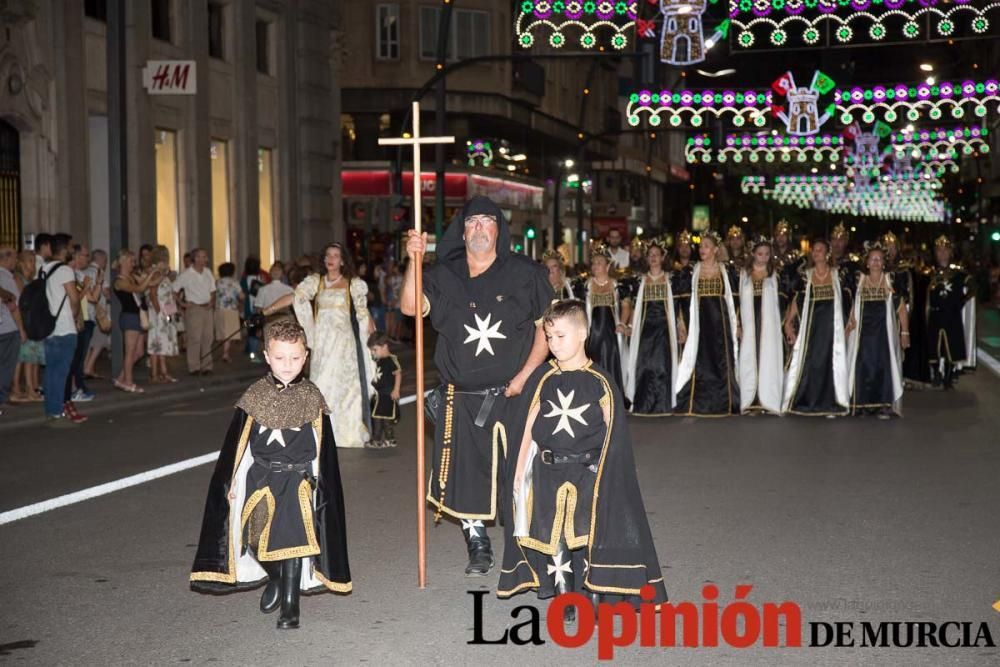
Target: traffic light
<point x="529" y="233"/>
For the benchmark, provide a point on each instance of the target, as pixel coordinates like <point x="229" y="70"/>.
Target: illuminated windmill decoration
<point x="802" y="117"/>
<point x="479" y="149"/>
<point x="587" y="17"/>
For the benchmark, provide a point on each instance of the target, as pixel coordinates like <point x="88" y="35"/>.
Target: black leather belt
<point x="275" y="466"/>
<point x="489" y="399"/>
<point x="550" y="458"/>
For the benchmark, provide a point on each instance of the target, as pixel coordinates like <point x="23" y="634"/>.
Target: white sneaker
<point x="81" y="396"/>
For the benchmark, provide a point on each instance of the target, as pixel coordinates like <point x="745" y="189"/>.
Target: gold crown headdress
<point x="600" y="248"/>
<point x="874" y="246"/>
<point x="839" y="232"/>
<point x="942" y="242"/>
<point x="782" y="228"/>
<point x="637" y="242"/>
<point x="656" y="242"/>
<point x="713" y="235"/>
<point x="684" y="236"/>
<point x="552" y="254"/>
<point x="734" y="232"/>
<point x="889" y="239"/>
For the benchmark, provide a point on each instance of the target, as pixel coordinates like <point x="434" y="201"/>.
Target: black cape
<point x="221" y="564"/>
<point x="620" y="550"/>
<point x="509" y="298"/>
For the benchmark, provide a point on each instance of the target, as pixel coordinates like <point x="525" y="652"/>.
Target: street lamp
<point x="556" y="226"/>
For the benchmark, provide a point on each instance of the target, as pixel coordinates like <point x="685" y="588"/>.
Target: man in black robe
<point x="787" y="262"/>
<point x="848" y="264"/>
<point x="486" y="305"/>
<point x="949" y="289"/>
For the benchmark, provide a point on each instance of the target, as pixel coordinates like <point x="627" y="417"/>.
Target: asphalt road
<point x="853" y="519"/>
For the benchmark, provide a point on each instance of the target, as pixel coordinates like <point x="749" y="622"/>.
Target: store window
<point x="167" y="219"/>
<point x="266" y="199"/>
<point x="221" y="247"/>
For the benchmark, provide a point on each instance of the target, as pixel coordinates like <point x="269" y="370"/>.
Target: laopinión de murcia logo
<point x="736" y="624"/>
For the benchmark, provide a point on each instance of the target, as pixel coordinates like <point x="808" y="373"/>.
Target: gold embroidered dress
<point x="336" y="367"/>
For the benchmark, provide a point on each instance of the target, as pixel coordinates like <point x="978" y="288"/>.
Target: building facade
<point x="515" y="121"/>
<point x="230" y="124"/>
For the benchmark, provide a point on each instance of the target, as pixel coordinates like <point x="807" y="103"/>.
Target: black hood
<point x="451" y="246"/>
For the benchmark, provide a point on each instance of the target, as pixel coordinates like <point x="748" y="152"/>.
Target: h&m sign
<point x="170" y="77"/>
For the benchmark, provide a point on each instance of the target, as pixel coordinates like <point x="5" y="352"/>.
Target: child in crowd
<point x="579" y="520"/>
<point x="276" y="494"/>
<point x="387" y="381"/>
<point x="228" y="305"/>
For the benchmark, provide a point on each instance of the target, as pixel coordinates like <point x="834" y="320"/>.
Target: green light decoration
<point x="906" y="197"/>
<point x="586" y="18"/>
<point x="774" y="22"/>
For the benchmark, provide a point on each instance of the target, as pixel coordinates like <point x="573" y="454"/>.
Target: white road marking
<point x="119" y="484"/>
<point x="988" y="361"/>
<point x="104" y="489"/>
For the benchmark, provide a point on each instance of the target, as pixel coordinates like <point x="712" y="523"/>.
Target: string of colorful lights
<point x="853" y="20"/>
<point x="767" y="147"/>
<point x="908" y="197"/>
<point x="586" y="17"/>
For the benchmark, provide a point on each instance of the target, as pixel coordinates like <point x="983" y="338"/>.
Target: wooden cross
<point x="416" y="141"/>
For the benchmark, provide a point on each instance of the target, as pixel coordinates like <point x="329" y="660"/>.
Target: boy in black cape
<point x="579" y="524"/>
<point x="275" y="508"/>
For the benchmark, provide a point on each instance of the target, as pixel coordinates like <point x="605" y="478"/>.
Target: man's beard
<point x="478" y="242"/>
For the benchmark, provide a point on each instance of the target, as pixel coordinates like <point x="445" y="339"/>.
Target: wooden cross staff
<point x="416" y="141"/>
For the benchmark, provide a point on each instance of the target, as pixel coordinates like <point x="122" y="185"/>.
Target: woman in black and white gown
<point x="607" y="311"/>
<point x="816" y="377"/>
<point x="761" y="345"/>
<point x="652" y="356"/>
<point x="706" y="380"/>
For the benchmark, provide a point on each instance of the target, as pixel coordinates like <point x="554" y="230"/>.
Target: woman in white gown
<point x="333" y="310"/>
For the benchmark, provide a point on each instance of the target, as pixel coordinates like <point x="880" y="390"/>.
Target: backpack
<point x="39" y="322"/>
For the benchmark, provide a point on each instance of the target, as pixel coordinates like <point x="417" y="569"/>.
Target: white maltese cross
<point x="560" y="569"/>
<point x="565" y="411"/>
<point x="472" y="526"/>
<point x="276" y="435"/>
<point x="483" y="333"/>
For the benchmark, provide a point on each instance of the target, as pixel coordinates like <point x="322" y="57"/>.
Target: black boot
<point x="480" y="551"/>
<point x="270" y="599"/>
<point x="562" y="567"/>
<point x="291" y="572"/>
<point x="949" y="376"/>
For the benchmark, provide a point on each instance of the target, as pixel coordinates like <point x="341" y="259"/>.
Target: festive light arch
<point x="911" y="197"/>
<point x="964" y="141"/>
<point x="967" y="99"/>
<point x="589" y="18"/>
<point x="955" y="98"/>
<point x="769" y="148"/>
<point x="692" y="107"/>
<point x="864" y="20"/>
